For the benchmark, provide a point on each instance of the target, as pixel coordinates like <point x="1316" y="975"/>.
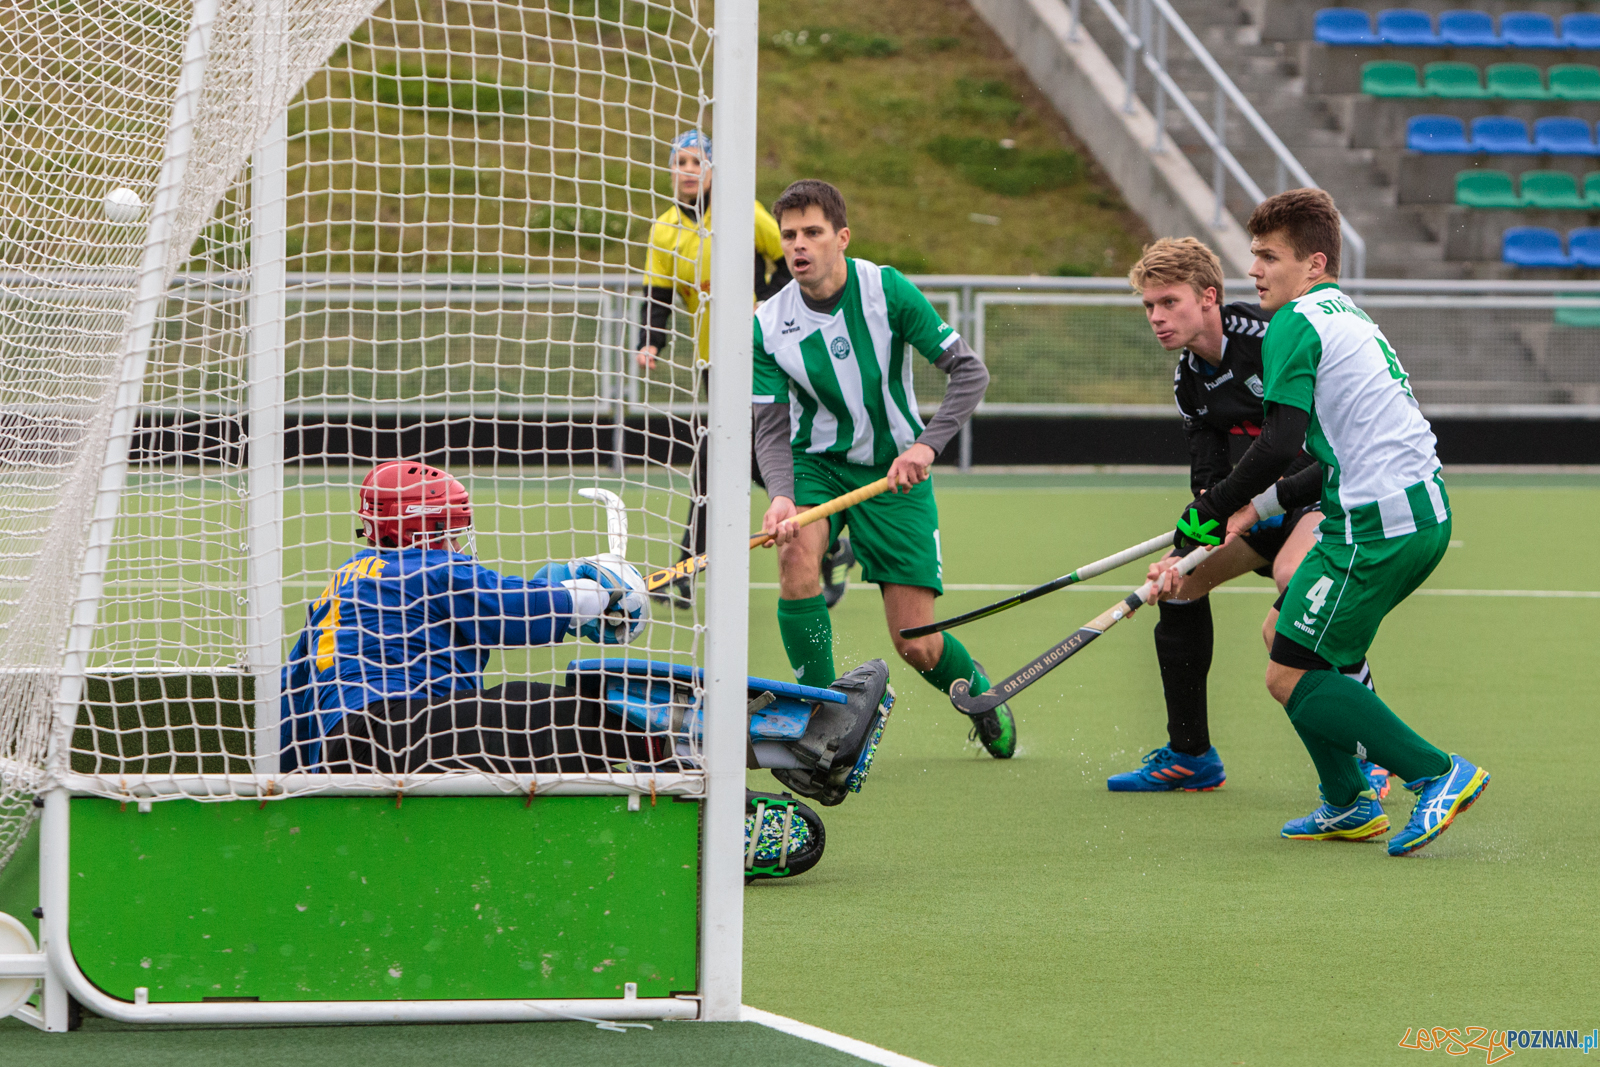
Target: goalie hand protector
<point x="840" y="741"/>
<point x="621" y="610"/>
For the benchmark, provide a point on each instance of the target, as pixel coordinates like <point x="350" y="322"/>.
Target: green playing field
<point x="975" y="912"/>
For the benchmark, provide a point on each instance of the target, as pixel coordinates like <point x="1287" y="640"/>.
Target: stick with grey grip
<point x="1055" y="657"/>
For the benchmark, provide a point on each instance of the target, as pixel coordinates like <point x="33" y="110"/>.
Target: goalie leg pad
<point x="782" y="836"/>
<point x="841" y="739"/>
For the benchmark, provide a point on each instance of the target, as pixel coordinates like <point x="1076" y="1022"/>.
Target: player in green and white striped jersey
<point x="1334" y="383"/>
<point x="834" y="410"/>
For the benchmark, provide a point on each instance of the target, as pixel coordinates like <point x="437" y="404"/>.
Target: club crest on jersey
<point x="839" y="348"/>
<point x="1253" y="383"/>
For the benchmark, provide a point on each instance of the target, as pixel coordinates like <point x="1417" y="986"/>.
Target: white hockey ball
<point x="122" y="205"/>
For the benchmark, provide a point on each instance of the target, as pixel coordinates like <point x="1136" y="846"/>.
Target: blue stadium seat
<point x="1532" y="246"/>
<point x="1344" y="25"/>
<point x="1407" y="27"/>
<point x="1581" y="30"/>
<point x="1529" y="29"/>
<point x="1469" y="29"/>
<point x="1584" y="246"/>
<point x="1501" y="134"/>
<point x="1564" y="136"/>
<point x="1437" y="134"/>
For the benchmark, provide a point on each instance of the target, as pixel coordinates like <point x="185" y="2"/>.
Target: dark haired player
<point x="1335" y="385"/>
<point x="1218" y="387"/>
<point x="834" y="411"/>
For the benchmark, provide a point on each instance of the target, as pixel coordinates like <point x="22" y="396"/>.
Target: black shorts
<point x="1268" y="542"/>
<point x="515" y="728"/>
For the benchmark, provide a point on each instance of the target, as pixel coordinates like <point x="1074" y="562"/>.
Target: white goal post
<point x="243" y="252"/>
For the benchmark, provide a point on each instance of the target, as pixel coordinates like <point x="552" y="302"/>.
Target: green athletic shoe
<point x="996" y="729"/>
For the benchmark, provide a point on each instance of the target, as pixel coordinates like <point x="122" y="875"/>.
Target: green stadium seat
<point x="1516" y="81"/>
<point x="1388" y="78"/>
<point x="1453" y="81"/>
<point x="1551" y="189"/>
<point x="1575" y="81"/>
<point x="1591" y="188"/>
<point x="1486" y="188"/>
<point x="1582" y="318"/>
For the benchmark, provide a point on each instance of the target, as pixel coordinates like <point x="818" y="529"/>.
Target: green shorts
<point x="894" y="535"/>
<point x="1340" y="593"/>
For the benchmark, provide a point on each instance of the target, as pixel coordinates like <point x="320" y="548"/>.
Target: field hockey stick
<point x="1055" y="657"/>
<point x="688" y="568"/>
<point x="1082" y="574"/>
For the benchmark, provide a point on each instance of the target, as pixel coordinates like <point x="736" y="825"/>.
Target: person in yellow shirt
<point x="679" y="262"/>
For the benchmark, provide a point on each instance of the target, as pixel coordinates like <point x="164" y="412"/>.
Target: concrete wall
<point x="1087" y="89"/>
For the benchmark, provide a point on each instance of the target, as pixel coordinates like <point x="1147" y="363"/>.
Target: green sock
<point x="955" y="662"/>
<point x="1340" y="774"/>
<point x="1351" y="720"/>
<point x="807" y="634"/>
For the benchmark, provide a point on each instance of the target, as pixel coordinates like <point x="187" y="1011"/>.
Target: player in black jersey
<point x="1218" y="388"/>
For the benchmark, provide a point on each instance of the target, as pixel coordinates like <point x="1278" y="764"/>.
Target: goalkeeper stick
<point x="1082" y="574"/>
<point x="687" y="568"/>
<point x="1055" y="657"/>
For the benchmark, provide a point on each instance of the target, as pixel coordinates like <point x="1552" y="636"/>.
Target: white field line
<point x="1543" y="594"/>
<point x="859" y="1049"/>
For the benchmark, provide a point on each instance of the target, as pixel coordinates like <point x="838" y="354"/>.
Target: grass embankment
<point x="453" y="148"/>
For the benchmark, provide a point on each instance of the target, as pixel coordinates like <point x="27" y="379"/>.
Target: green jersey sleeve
<point x="768" y="383"/>
<point x="913" y="319"/>
<point x="1290" y="353"/>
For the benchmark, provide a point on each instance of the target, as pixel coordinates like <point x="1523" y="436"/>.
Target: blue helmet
<point x="692" y="139"/>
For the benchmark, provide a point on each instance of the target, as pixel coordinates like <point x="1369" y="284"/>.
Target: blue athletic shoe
<point x="1439" y="801"/>
<point x="1164" y="770"/>
<point x="1376" y="777"/>
<point x="1353" y="822"/>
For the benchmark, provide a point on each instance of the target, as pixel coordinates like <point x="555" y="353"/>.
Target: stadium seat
<point x="1530" y="29"/>
<point x="1516" y="81"/>
<point x="1564" y="136"/>
<point x="1486" y="189"/>
<point x="1501" y="134"/>
<point x="1344" y="25"/>
<point x="1532" y="246"/>
<point x="1555" y="189"/>
<point x="1581" y="30"/>
<point x="1437" y="133"/>
<point x="1387" y="78"/>
<point x="1584" y="246"/>
<point x="1409" y="28"/>
<point x="1591" y="188"/>
<point x="1574" y="81"/>
<point x="1452" y="81"/>
<point x="1469" y="29"/>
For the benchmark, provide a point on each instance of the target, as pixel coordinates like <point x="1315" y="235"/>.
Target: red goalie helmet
<point x="402" y="502"/>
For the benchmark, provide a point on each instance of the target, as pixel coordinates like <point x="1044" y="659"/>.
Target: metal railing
<point x="1147" y="46"/>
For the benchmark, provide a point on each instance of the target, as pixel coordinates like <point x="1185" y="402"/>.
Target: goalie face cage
<point x="411" y="232"/>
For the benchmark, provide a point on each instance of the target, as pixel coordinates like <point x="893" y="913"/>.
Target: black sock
<point x="1361" y="672"/>
<point x="1183" y="649"/>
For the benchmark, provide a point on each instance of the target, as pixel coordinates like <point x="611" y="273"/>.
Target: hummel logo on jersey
<point x="789" y="327"/>
<point x="1228" y="377"/>
<point x="839" y="348"/>
<point x="1246" y="327"/>
<point x="1253" y="383"/>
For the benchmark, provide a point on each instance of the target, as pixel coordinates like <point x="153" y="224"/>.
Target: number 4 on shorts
<point x="1318" y="593"/>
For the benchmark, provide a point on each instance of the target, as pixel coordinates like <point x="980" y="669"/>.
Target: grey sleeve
<point x="771" y="439"/>
<point x="969" y="379"/>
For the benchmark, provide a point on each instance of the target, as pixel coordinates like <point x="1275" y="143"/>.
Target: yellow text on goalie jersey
<point x="328" y="628"/>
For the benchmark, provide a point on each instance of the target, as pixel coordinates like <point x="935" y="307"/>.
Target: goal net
<point x="251" y="248"/>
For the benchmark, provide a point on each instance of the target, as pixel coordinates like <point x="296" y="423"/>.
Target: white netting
<point x="466" y="206"/>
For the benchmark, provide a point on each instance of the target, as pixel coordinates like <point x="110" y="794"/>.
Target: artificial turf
<point x="975" y="912"/>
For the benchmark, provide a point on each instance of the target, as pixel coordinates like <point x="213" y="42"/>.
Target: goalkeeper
<point x="1218" y="388"/>
<point x="834" y="411"/>
<point x="387" y="675"/>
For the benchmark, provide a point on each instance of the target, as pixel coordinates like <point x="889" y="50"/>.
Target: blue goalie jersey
<point x="403" y="624"/>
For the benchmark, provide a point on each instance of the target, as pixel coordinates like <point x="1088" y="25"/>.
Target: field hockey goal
<point x="249" y="249"/>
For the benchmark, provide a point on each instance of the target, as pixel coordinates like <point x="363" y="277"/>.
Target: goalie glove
<point x="609" y="604"/>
